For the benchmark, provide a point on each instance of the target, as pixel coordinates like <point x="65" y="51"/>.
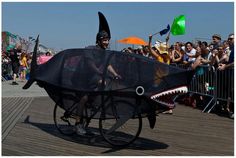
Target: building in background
<point x="10" y="41"/>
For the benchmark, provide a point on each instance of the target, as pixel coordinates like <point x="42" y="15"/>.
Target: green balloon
<point x="178" y="26"/>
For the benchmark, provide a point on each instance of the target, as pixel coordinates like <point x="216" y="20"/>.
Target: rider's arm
<point x="111" y="70"/>
<point x="92" y="65"/>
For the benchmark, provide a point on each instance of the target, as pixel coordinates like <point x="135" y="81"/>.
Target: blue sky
<point x="63" y="25"/>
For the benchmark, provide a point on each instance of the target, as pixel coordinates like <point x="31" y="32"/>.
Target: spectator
<point x="224" y="66"/>
<point x="197" y="100"/>
<point x="160" y="53"/>
<point x="29" y="60"/>
<point x="216" y="40"/>
<point x="177" y="54"/>
<point x="128" y="50"/>
<point x="230" y="62"/>
<point x="140" y="50"/>
<point x="146" y="52"/>
<point x="198" y="51"/>
<point x="23" y="66"/>
<point x="15" y="64"/>
<point x="205" y="54"/>
<point x="226" y="47"/>
<point x="48" y="53"/>
<point x="6" y="62"/>
<point x="190" y="52"/>
<point x="44" y="58"/>
<point x="204" y="49"/>
<point x="221" y="57"/>
<point x="211" y="46"/>
<point x="194" y="64"/>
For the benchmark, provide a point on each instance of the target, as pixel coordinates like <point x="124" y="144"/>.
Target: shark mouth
<point x="166" y="97"/>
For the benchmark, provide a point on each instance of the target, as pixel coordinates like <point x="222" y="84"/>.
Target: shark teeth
<point x="182" y="89"/>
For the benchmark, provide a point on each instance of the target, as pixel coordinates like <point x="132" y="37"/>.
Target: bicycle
<point x="120" y="123"/>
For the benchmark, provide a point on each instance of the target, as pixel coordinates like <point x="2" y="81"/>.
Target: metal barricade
<point x="225" y="84"/>
<point x="203" y="83"/>
<point x="219" y="85"/>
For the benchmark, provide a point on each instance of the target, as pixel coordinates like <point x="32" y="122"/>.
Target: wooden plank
<point x="15" y="108"/>
<point x="8" y="103"/>
<point x="9" y="119"/>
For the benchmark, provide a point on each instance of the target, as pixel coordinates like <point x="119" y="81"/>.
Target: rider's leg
<point x="80" y="108"/>
<point x="79" y="118"/>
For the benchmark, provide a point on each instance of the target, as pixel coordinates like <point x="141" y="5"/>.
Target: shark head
<point x="169" y="85"/>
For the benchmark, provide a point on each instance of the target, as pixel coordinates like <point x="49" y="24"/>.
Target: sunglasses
<point x="230" y="39"/>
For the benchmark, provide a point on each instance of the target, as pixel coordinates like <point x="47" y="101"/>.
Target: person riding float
<point x="95" y="64"/>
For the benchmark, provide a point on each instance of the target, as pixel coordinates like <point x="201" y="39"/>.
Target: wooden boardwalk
<point x="30" y="131"/>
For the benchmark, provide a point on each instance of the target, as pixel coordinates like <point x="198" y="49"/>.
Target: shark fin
<point x="33" y="66"/>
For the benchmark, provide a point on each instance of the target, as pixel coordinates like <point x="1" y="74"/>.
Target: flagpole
<point x="162" y="32"/>
<point x="155" y="33"/>
<point x="167" y="39"/>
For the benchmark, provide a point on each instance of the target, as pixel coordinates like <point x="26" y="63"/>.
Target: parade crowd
<point x="217" y="53"/>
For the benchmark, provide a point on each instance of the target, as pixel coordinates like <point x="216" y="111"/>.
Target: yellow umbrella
<point x="133" y="40"/>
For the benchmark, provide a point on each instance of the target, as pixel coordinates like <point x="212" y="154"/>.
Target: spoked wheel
<point x="64" y="122"/>
<point x="119" y="127"/>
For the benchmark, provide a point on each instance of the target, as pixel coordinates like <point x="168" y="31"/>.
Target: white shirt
<point x="192" y="52"/>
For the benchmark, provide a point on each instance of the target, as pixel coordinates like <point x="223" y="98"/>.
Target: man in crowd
<point x="229" y="64"/>
<point x="216" y="41"/>
<point x="15" y="64"/>
<point x="190" y="52"/>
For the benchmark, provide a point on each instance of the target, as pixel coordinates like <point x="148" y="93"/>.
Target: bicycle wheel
<point x="123" y="128"/>
<point x="64" y="122"/>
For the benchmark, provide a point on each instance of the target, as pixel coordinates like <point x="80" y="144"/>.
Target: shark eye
<point x="139" y="90"/>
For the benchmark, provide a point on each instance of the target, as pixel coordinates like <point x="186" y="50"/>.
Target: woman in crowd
<point x="23" y="66"/>
<point x="219" y="56"/>
<point x="177" y="54"/>
<point x="159" y="53"/>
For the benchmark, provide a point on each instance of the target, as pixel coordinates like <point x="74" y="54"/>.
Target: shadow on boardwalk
<point x="97" y="140"/>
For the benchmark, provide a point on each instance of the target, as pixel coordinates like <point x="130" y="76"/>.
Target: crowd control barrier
<point x="216" y="84"/>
